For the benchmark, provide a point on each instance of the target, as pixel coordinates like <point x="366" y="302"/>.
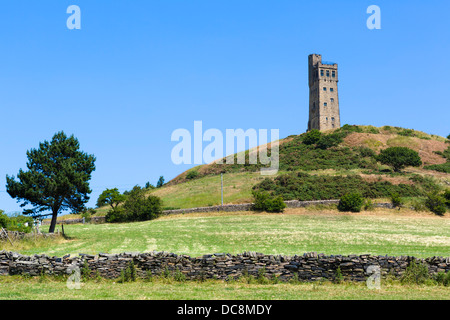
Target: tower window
<point x="333" y="74"/>
<point x="332" y="99"/>
<point x="324" y="88"/>
<point x="328" y="73"/>
<point x="331" y="89"/>
<point x="325" y="104"/>
<point x="332" y="119"/>
<point x="321" y="73"/>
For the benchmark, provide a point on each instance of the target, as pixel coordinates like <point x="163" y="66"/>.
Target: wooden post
<point x="7" y="237"/>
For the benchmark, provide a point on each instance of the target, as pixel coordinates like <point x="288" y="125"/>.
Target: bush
<point x="416" y="273"/>
<point x="312" y="137"/>
<point x="3" y="219"/>
<point x="399" y="158"/>
<point x="447" y="197"/>
<point x="396" y="200"/>
<point x="192" y="175"/>
<point x="445" y="167"/>
<point x="329" y="141"/>
<point x="436" y="203"/>
<point x="16" y="222"/>
<point x="306" y="187"/>
<point x="352" y="202"/>
<point x="266" y="202"/>
<point x="443" y="278"/>
<point x="137" y="207"/>
<point x="367" y="152"/>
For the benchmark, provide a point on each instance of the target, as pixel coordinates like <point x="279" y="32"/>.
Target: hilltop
<point x="346" y="159"/>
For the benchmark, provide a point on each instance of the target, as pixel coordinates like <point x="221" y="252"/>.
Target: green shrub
<point x="447" y="197"/>
<point x="399" y="158"/>
<point x="263" y="201"/>
<point x="443" y="278"/>
<point x="3" y="219"/>
<point x="427" y="184"/>
<point x="407" y="133"/>
<point x="17" y="222"/>
<point x="444" y="167"/>
<point x="352" y="202"/>
<point x="415" y="273"/>
<point x="329" y="141"/>
<point x="137" y="207"/>
<point x="192" y="175"/>
<point x="350" y="128"/>
<point x="116" y="215"/>
<point x="304" y="187"/>
<point x="367" y="152"/>
<point x="436" y="203"/>
<point x="338" y="277"/>
<point x="312" y="137"/>
<point x="129" y="274"/>
<point x="396" y="200"/>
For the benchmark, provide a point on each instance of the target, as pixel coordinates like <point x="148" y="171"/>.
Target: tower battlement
<point x="323" y="94"/>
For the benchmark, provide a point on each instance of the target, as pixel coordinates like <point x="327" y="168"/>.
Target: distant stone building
<point x="323" y="94"/>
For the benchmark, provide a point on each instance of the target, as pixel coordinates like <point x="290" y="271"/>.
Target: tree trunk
<point x="53" y="223"/>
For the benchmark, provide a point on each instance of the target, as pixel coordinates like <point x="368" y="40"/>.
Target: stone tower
<point x="323" y="94"/>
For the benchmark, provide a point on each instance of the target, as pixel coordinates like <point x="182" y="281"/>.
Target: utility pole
<point x="221" y="187"/>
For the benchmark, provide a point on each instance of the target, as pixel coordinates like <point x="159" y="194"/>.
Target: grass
<point x="378" y="232"/>
<point x="19" y="288"/>
<point x="205" y="191"/>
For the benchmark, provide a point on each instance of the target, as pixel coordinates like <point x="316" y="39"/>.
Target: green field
<point x="18" y="288"/>
<point x="295" y="232"/>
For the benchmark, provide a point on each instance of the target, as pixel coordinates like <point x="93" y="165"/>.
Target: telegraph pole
<point x="221" y="187"/>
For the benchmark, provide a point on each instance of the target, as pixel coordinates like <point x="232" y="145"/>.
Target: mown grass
<point x="20" y="288"/>
<point x="299" y="230"/>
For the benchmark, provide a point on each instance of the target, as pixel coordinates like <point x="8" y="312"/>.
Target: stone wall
<point x="308" y="267"/>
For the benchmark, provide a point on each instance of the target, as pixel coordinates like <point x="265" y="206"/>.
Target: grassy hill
<point x="352" y="158"/>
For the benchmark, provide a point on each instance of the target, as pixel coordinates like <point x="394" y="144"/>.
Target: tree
<point x="137" y="207"/>
<point x="57" y="178"/>
<point x="111" y="197"/>
<point x="160" y="182"/>
<point x="399" y="158"/>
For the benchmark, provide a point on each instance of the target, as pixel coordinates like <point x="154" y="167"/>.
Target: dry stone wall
<point x="307" y="267"/>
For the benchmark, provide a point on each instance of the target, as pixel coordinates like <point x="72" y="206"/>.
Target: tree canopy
<point x="111" y="197"/>
<point x="57" y="178"/>
<point x="399" y="158"/>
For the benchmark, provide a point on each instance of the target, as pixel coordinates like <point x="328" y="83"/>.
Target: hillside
<point x="348" y="155"/>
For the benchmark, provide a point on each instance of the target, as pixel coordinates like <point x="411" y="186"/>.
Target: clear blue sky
<point x="138" y="70"/>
